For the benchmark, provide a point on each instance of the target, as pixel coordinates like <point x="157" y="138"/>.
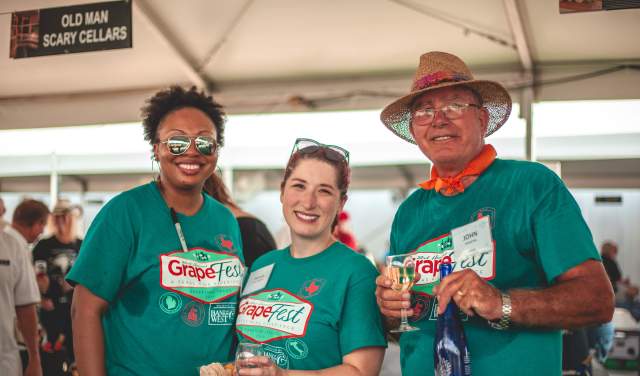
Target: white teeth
<point x="306" y="217"/>
<point x="442" y="138"/>
<point x="188" y="166"/>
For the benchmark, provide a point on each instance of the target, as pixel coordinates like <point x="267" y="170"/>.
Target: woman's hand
<point x="263" y="366"/>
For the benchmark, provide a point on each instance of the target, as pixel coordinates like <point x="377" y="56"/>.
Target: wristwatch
<point x="505" y="320"/>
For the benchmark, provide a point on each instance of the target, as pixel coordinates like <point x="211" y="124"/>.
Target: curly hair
<point x="174" y="98"/>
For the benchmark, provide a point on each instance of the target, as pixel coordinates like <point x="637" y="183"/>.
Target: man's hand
<point x="472" y="294"/>
<point x="391" y="302"/>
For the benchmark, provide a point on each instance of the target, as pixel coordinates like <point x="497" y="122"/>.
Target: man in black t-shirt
<point x="58" y="254"/>
<point x="609" y="253"/>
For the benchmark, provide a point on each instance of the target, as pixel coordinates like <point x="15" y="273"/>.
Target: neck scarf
<point x="454" y="184"/>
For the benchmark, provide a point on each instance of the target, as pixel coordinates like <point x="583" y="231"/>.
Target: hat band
<point x="438" y="78"/>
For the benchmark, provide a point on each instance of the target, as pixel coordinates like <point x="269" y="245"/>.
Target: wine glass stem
<point x="403" y="318"/>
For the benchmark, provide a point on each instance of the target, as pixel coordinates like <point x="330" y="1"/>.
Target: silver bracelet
<point x="505" y="320"/>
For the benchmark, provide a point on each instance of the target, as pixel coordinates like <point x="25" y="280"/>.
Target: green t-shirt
<point x="169" y="311"/>
<point x="313" y="310"/>
<point x="538" y="233"/>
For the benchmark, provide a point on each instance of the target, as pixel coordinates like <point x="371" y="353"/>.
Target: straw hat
<point x="437" y="70"/>
<point x="62" y="207"/>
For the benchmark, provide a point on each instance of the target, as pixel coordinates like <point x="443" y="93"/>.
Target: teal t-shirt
<point x="169" y="311"/>
<point x="538" y="233"/>
<point x="313" y="310"/>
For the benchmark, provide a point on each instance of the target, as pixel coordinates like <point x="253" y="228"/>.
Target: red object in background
<point x="343" y="233"/>
<point x="348" y="239"/>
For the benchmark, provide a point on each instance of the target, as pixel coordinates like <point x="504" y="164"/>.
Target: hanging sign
<point x="64" y="30"/>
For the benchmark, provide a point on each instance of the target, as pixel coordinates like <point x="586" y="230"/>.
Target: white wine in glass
<point x="401" y="271"/>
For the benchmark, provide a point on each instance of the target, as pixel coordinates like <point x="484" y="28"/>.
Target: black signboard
<point x="63" y="30"/>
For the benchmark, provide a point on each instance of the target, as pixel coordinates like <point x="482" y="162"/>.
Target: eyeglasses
<point x="309" y="146"/>
<point x="451" y="111"/>
<point x="179" y="144"/>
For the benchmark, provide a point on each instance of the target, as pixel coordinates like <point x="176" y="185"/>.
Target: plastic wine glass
<point x="401" y="271"/>
<point x="246" y="352"/>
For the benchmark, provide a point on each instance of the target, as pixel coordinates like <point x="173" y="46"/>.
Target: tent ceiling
<point x="256" y="55"/>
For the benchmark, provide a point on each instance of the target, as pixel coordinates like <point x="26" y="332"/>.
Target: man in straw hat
<point x="524" y="263"/>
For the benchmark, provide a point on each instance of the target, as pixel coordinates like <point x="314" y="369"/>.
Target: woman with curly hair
<point x="159" y="272"/>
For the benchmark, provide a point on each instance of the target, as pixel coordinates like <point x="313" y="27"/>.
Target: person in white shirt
<point x="3" y="210"/>
<point x="19" y="294"/>
<point x="28" y="222"/>
<point x="19" y="289"/>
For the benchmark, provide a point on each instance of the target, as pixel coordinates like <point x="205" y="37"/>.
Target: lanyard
<point x="176" y="223"/>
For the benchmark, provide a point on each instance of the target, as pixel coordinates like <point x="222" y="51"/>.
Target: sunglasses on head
<point x="179" y="144"/>
<point x="309" y="146"/>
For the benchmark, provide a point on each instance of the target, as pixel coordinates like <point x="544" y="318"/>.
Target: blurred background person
<point x="28" y="222"/>
<point x="18" y="298"/>
<point x="256" y="238"/>
<point x="58" y="253"/>
<point x="3" y="210"/>
<point x="609" y="253"/>
<point x="626" y="291"/>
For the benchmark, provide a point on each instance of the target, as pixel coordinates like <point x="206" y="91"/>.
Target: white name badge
<point x="257" y="280"/>
<point x="473" y="246"/>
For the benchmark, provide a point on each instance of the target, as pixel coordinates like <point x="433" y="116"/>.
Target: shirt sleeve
<point x="102" y="262"/>
<point x="26" y="288"/>
<point x="361" y="322"/>
<point x="563" y="239"/>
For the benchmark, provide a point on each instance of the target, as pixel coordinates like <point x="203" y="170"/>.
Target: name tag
<point x="473" y="246"/>
<point x="472" y="238"/>
<point x="258" y="280"/>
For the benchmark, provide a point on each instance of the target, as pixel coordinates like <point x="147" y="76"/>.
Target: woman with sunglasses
<point x="160" y="269"/>
<point x="312" y="304"/>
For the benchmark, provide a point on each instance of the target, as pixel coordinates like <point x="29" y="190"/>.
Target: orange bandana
<point x="454" y="185"/>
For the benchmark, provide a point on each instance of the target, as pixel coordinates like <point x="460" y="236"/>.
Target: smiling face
<point x="450" y="143"/>
<point x="188" y="171"/>
<point x="311" y="200"/>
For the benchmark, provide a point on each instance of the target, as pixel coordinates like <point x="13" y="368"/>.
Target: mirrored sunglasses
<point x="309" y="146"/>
<point x="179" y="144"/>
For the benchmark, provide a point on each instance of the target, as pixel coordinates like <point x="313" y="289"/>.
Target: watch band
<point x="505" y="320"/>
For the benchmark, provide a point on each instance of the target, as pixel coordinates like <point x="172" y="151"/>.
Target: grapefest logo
<point x="431" y="254"/>
<point x="273" y="314"/>
<point x="202" y="275"/>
